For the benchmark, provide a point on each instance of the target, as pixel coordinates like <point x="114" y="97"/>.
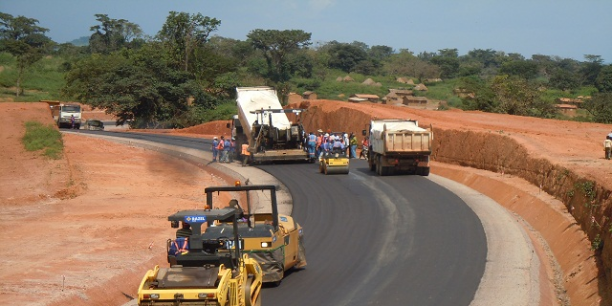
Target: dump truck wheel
<point x="424" y="171"/>
<point x="379" y="167"/>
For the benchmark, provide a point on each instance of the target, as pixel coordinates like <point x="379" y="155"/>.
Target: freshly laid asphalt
<point x="397" y="240"/>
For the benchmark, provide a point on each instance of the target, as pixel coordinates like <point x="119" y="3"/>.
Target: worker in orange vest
<point x="245" y="154"/>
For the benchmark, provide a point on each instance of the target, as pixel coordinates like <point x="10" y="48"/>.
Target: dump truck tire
<point x="423" y="171"/>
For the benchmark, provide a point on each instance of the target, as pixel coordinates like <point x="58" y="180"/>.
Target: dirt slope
<point x="79" y="231"/>
<point x="91" y="204"/>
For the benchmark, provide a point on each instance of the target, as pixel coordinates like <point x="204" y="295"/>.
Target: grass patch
<point x="39" y="137"/>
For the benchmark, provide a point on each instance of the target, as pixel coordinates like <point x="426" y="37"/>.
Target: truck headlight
<point x="265" y="244"/>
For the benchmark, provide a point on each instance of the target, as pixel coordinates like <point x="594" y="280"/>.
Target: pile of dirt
<point x="210" y="129"/>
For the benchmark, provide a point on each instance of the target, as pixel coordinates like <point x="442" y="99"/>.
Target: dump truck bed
<point x="395" y="136"/>
<point x="251" y="99"/>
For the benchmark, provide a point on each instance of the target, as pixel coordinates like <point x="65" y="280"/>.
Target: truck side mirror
<point x="364" y="132"/>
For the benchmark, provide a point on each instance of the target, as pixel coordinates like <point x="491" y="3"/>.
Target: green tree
<point x="380" y="53"/>
<point x="603" y="83"/>
<point x="515" y="95"/>
<point x="564" y="80"/>
<point x="486" y="57"/>
<point x="590" y="69"/>
<point x="346" y="56"/>
<point x="600" y="107"/>
<point x="521" y="68"/>
<point x="183" y="33"/>
<point x="112" y="34"/>
<point x="24" y="39"/>
<point x="138" y="86"/>
<point x="448" y="61"/>
<point x="477" y="94"/>
<point x="405" y="63"/>
<point x="276" y="46"/>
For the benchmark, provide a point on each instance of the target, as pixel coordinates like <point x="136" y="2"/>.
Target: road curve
<point x="399" y="240"/>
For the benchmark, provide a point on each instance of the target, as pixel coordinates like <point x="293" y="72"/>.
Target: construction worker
<point x="353" y="145"/>
<point x="345" y="142"/>
<point x="327" y="146"/>
<point x="365" y="147"/>
<point x="319" y="143"/>
<point x="232" y="149"/>
<point x="245" y="154"/>
<point x="312" y="142"/>
<point x="338" y="146"/>
<point x="227" y="146"/>
<point x="608" y="147"/>
<point x="220" y="148"/>
<point x="184" y="231"/>
<point x="215" y="151"/>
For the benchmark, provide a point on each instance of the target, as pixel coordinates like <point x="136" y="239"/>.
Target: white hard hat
<point x="215" y="137"/>
<point x="326" y="135"/>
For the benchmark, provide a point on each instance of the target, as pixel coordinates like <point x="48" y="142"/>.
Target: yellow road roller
<point x="335" y="162"/>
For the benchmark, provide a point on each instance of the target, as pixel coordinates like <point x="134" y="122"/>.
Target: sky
<point x="563" y="28"/>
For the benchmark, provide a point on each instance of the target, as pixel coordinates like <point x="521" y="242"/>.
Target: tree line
<point x="184" y="71"/>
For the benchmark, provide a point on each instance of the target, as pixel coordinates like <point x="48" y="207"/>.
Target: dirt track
<point x="92" y="204"/>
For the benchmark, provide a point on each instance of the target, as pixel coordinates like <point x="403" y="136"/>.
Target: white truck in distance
<point x="262" y="123"/>
<point x="63" y="113"/>
<point x="398" y="146"/>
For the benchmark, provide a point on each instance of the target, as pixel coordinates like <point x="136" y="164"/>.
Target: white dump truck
<point x="399" y="146"/>
<point x="65" y="113"/>
<point x="263" y="124"/>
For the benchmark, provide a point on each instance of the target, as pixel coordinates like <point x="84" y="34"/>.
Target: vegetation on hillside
<point x="46" y="138"/>
<point x="185" y="75"/>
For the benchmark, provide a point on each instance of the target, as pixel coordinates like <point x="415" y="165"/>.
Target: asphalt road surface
<point x="399" y="240"/>
<point x="370" y="240"/>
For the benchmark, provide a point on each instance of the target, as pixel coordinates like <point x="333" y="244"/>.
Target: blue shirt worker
<point x="312" y="142"/>
<point x="215" y="152"/>
<point x="227" y="146"/>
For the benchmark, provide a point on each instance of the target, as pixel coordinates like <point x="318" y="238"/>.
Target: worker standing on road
<point x="608" y="147"/>
<point x="220" y="148"/>
<point x="345" y="142"/>
<point x="365" y="146"/>
<point x="245" y="154"/>
<point x="215" y="151"/>
<point x="72" y="121"/>
<point x="232" y="150"/>
<point x="227" y="146"/>
<point x="319" y="143"/>
<point x="353" y="144"/>
<point x="312" y="142"/>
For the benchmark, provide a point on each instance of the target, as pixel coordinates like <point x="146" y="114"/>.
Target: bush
<point x="39" y="137"/>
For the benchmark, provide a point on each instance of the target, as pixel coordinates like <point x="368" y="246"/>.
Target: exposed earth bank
<point x="92" y="210"/>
